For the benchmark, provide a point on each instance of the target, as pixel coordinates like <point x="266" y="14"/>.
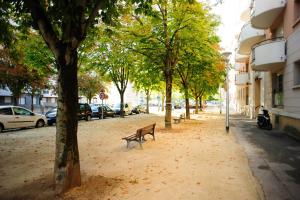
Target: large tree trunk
<point x="187" y="103"/>
<point x="168" y="115"/>
<point x="67" y="165"/>
<point x="197" y="105"/>
<point x="147" y="100"/>
<point x="122" y="113"/>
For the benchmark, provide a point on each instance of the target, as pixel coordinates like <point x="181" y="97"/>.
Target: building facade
<point x="41" y="103"/>
<point x="269" y="51"/>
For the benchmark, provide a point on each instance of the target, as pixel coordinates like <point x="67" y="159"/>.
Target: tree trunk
<point x="67" y="165"/>
<point x="147" y="101"/>
<point x="15" y="100"/>
<point x="200" y="102"/>
<point x="197" y="105"/>
<point x="187" y="103"/>
<point x="163" y="102"/>
<point x="122" y="113"/>
<point x="32" y="96"/>
<point x="168" y="115"/>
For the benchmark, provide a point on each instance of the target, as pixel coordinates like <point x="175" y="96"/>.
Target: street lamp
<point x="226" y="56"/>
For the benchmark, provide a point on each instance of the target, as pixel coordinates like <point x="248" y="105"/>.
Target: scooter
<point x="263" y="120"/>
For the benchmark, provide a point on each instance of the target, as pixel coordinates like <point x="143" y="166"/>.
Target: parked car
<point x="51" y="116"/>
<point x="107" y="111"/>
<point x="139" y="109"/>
<point x="117" y="109"/>
<point x="19" y="117"/>
<point x="84" y="111"/>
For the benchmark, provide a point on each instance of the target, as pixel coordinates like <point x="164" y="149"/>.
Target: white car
<point x="18" y="117"/>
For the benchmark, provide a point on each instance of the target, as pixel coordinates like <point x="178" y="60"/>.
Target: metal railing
<point x="268" y="41"/>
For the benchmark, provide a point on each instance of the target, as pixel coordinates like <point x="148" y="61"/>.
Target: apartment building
<point x="41" y="102"/>
<point x="269" y="53"/>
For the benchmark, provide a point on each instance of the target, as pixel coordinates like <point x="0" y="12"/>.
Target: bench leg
<point x="153" y="136"/>
<point x="141" y="143"/>
<point x="128" y="144"/>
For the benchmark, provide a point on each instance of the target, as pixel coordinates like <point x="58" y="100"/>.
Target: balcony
<point x="264" y="12"/>
<point x="269" y="55"/>
<point x="241" y="58"/>
<point x="248" y="37"/>
<point x="242" y="79"/>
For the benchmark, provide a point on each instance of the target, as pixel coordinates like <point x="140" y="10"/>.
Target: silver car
<point x="18" y="117"/>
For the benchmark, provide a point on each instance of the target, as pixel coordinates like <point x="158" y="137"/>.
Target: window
<point x="297" y="73"/>
<point x="5" y="111"/>
<point x="34" y="100"/>
<point x="22" y="101"/>
<point x="7" y="99"/>
<point x="53" y="100"/>
<point x="21" y="111"/>
<point x="277" y="90"/>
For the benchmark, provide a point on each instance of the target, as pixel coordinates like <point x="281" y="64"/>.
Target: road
<point x="274" y="158"/>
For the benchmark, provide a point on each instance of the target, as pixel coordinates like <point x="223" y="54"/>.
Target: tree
<point x="146" y="78"/>
<point x="159" y="38"/>
<point x="63" y="26"/>
<point x="89" y="84"/>
<point x="118" y="62"/>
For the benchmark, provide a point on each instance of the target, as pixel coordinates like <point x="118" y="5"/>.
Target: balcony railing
<point x="248" y="37"/>
<point x="264" y="12"/>
<point x="269" y="55"/>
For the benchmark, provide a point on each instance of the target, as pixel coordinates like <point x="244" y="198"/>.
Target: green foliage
<point x="89" y="84"/>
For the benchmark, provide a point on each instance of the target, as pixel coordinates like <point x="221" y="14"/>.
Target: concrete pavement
<point x="274" y="158"/>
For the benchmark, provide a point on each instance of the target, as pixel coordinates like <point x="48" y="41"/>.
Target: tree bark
<point x="147" y="100"/>
<point x="163" y="102"/>
<point x="67" y="165"/>
<point x="122" y="113"/>
<point x="200" y="102"/>
<point x="32" y="95"/>
<point x="168" y="113"/>
<point x="197" y="105"/>
<point x="187" y="103"/>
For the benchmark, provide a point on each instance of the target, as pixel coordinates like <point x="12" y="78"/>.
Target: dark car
<point x="51" y="116"/>
<point x="107" y="111"/>
<point x="139" y="109"/>
<point x="84" y="111"/>
<point x="97" y="111"/>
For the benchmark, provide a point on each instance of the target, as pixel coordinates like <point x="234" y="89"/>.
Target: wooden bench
<point x="177" y="120"/>
<point x="182" y="116"/>
<point x="139" y="136"/>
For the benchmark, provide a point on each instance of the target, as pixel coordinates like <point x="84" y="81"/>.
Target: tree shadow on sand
<point x="95" y="187"/>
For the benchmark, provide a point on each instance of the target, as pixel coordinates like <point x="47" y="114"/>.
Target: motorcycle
<point x="263" y="120"/>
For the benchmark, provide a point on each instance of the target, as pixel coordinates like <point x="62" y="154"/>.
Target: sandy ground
<point x="197" y="159"/>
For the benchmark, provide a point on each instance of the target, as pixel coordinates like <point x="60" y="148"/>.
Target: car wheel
<point x="40" y="123"/>
<point x="1" y="128"/>
<point x="88" y="118"/>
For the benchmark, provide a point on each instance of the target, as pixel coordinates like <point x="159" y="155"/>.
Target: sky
<point x="230" y="12"/>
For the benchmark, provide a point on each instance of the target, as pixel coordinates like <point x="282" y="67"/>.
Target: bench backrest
<point x="146" y="129"/>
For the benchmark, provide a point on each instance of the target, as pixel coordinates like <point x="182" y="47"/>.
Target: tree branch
<point x="39" y="16"/>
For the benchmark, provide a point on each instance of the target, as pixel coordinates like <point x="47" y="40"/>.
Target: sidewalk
<point x="274" y="158"/>
<point x="195" y="160"/>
